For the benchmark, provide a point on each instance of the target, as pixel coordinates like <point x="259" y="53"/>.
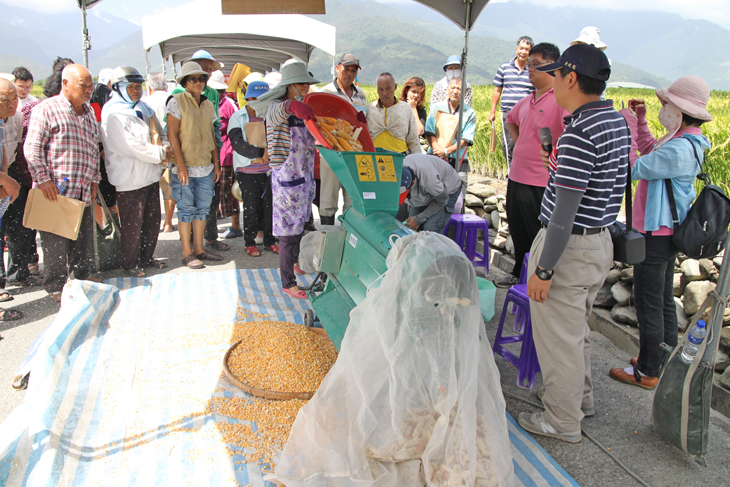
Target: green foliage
<point x="717" y="162"/>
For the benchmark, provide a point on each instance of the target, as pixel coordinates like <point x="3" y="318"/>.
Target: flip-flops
<point x="216" y="245"/>
<point x="10" y="314"/>
<point x="253" y="251"/>
<point x="157" y="264"/>
<point x="298" y="294"/>
<point x="5" y="296"/>
<point x="209" y="256"/>
<point x="192" y="262"/>
<point x="273" y="248"/>
<point x="298" y="270"/>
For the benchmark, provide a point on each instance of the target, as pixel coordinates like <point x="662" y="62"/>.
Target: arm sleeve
<point x="412" y="138"/>
<point x="561" y="224"/>
<point x="645" y="140"/>
<point x="467" y="95"/>
<point x="470" y="125"/>
<point x="242" y="147"/>
<point x="278" y="112"/>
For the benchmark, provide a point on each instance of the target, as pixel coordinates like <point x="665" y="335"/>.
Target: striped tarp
<point x="122" y="379"/>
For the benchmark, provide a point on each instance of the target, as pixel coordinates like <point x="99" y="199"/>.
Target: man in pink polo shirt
<point x="527" y="175"/>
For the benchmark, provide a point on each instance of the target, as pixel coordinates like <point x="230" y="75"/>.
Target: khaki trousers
<point x="560" y="325"/>
<point x="330" y="191"/>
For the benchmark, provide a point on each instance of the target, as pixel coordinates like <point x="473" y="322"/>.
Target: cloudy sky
<point x="717" y="11"/>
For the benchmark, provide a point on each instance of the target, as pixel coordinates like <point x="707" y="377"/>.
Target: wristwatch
<point x="543" y="274"/>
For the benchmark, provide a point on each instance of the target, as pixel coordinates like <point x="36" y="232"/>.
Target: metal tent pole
<point x="85" y="38"/>
<point x="716" y="315"/>
<point x="463" y="82"/>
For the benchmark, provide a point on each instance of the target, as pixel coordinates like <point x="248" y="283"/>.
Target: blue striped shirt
<point x="592" y="157"/>
<point x="515" y="84"/>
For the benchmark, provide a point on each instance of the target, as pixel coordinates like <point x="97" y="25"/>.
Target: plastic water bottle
<point x="696" y="335"/>
<point x="4" y="203"/>
<point x="62" y="186"/>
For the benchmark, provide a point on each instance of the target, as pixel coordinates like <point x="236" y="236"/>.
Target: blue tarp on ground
<point x="122" y="379"/>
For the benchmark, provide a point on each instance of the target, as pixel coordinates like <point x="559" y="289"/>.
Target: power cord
<point x="587" y="435"/>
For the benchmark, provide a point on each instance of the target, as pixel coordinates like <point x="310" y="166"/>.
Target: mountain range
<point x="407" y="40"/>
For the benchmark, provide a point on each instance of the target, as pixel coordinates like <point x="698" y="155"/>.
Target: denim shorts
<point x="194" y="198"/>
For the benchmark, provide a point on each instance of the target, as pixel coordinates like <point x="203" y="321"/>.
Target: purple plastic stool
<point x="519" y="323"/>
<point x="526" y="363"/>
<point x="463" y="230"/>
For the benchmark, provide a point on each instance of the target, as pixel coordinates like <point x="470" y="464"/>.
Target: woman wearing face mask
<point x="291" y="157"/>
<point x="133" y="165"/>
<point x="676" y="156"/>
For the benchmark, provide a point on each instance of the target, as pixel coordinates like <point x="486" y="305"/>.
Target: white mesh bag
<point x="306" y="251"/>
<point x="414" y="397"/>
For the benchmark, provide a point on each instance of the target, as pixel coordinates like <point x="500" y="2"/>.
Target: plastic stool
<point x="527" y="363"/>
<point x="463" y="230"/>
<point x="523" y="280"/>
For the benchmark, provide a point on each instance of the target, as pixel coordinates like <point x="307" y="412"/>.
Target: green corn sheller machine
<point x="353" y="256"/>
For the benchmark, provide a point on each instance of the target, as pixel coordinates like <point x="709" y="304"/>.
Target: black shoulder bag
<point x="628" y="243"/>
<point x="703" y="232"/>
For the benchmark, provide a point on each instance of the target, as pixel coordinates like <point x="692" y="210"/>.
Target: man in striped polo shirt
<point x="572" y="254"/>
<point x="511" y="84"/>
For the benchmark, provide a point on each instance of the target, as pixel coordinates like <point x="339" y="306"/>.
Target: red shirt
<point x="530" y="116"/>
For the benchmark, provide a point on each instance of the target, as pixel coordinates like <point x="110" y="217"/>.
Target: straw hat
<point x="190" y="69"/>
<point x="217" y="80"/>
<point x="691" y="95"/>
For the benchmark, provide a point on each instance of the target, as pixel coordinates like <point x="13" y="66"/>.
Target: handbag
<point x="628" y="243"/>
<point x="107" y="241"/>
<point x="683" y="396"/>
<point x="704" y="230"/>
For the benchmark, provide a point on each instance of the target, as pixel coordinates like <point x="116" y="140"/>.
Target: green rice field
<point x="495" y="165"/>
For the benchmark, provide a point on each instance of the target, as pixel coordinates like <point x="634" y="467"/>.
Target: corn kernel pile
<point x="341" y="135"/>
<point x="281" y="357"/>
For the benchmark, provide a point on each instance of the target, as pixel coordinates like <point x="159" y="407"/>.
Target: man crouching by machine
<point x="434" y="189"/>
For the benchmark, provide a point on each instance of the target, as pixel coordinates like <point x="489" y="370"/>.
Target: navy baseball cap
<point x="583" y="59"/>
<point x="406" y="178"/>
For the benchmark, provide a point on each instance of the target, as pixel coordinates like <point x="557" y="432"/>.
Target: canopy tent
<point x="262" y="42"/>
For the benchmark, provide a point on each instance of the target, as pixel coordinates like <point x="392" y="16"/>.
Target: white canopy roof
<point x="262" y="42"/>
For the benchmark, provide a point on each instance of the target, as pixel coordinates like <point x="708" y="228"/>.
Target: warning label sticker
<point x="365" y="168"/>
<point x="386" y="169"/>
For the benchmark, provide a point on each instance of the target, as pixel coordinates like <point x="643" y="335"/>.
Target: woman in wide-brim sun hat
<point x="675" y="157"/>
<point x="190" y="118"/>
<point x="291" y="153"/>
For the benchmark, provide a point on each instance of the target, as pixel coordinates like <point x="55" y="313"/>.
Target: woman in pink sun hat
<point x="678" y="157"/>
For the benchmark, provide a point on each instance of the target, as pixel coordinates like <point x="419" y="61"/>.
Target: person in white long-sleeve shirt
<point x="391" y="122"/>
<point x="133" y="163"/>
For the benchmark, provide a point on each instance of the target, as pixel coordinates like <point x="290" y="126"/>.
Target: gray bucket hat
<point x="296" y="73"/>
<point x="190" y="68"/>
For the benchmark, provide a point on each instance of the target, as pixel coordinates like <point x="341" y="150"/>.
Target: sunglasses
<point x="199" y="79"/>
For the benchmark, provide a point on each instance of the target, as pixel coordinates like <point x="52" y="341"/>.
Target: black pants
<point x="139" y="212"/>
<point x="288" y="256"/>
<point x="257" y="212"/>
<point x="21" y="240"/>
<point x="67" y="259"/>
<point x="211" y="221"/>
<point x="655" y="308"/>
<point x="523" y="209"/>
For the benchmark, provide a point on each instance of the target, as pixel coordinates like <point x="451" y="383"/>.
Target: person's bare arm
<point x="495" y="100"/>
<point x="514" y="130"/>
<point x="9" y="187"/>
<point x="173" y="132"/>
